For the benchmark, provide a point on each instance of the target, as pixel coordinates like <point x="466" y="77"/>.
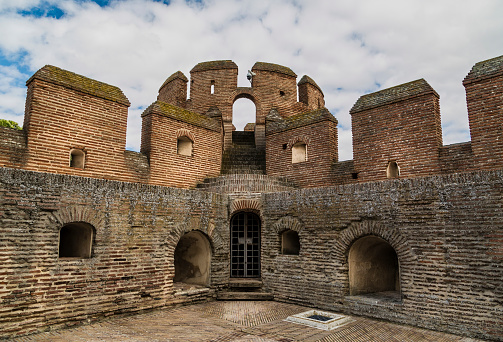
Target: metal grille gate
<point x="245" y="245"/>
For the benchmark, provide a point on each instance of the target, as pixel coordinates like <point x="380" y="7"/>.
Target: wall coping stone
<point x="298" y="120"/>
<point x="309" y="80"/>
<point x="214" y="65"/>
<point x="392" y="95"/>
<point x="485" y="69"/>
<point x="180" y="114"/>
<point x="80" y="83"/>
<point x="263" y="66"/>
<point x="176" y="75"/>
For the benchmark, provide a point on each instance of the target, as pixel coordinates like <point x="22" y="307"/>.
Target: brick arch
<point x="365" y="228"/>
<point x="287" y="222"/>
<point x="245" y="205"/>
<point x="216" y="241"/>
<point x="247" y="93"/>
<point x="79" y="214"/>
<point x="183" y="132"/>
<point x="299" y="138"/>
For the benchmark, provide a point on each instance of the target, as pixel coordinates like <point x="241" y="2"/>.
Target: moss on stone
<point x="214" y="65"/>
<point x="485" y="69"/>
<point x="180" y="114"/>
<point x="300" y="120"/>
<point x="262" y="66"/>
<point x="309" y="80"/>
<point x="80" y="83"/>
<point x="391" y="95"/>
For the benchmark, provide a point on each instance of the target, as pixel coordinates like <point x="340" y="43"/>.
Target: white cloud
<point x="347" y="47"/>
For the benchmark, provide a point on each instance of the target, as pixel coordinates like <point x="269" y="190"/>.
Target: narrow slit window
<point x="184" y="146"/>
<point x="212" y="87"/>
<point x="299" y="153"/>
<point x="77" y="158"/>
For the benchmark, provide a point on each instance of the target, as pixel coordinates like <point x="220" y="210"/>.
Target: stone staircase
<point x="244" y="289"/>
<point x="245" y="183"/>
<point x="243" y="157"/>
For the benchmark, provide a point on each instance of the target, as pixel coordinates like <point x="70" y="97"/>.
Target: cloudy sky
<point x="349" y="47"/>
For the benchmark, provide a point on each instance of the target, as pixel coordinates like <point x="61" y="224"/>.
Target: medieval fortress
<point x="409" y="231"/>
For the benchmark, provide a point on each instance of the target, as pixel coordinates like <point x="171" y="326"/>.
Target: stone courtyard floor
<point x="235" y="321"/>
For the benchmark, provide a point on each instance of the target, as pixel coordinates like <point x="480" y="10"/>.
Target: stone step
<point x="238" y="295"/>
<point x="245" y="283"/>
<point x="243" y="138"/>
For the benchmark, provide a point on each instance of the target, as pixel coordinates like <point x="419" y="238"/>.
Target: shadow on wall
<point x="192" y="259"/>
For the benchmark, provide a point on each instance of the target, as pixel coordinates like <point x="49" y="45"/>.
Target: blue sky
<point x="349" y="47"/>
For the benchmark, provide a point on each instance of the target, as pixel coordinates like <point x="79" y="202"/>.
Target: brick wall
<point x="447" y="233"/>
<point x="12" y="147"/>
<point x="400" y="124"/>
<point x="131" y="268"/>
<point x="484" y="97"/>
<point x="163" y="124"/>
<point x="67" y="111"/>
<point x="318" y="130"/>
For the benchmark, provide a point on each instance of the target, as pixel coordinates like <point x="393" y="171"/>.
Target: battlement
<point x="77" y="125"/>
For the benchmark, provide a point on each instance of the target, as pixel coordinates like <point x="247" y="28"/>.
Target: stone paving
<point x="235" y="321"/>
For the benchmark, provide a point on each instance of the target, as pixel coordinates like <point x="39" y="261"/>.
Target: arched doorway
<point x="192" y="259"/>
<point x="373" y="267"/>
<point x="245" y="245"/>
<point x="244" y="112"/>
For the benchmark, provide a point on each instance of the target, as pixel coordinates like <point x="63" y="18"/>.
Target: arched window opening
<point x="299" y="153"/>
<point x="290" y="244"/>
<point x="192" y="259"/>
<point x="77" y="158"/>
<point x="393" y="170"/>
<point x="212" y="87"/>
<point x="76" y="240"/>
<point x="243" y="113"/>
<point x="184" y="146"/>
<point x="373" y="268"/>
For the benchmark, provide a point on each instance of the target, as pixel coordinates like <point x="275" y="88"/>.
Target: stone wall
<point x="137" y="228"/>
<point x="447" y="232"/>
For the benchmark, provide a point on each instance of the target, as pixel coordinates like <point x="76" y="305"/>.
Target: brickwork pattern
<point x="444" y="229"/>
<point x="131" y="267"/>
<point x="236" y="322"/>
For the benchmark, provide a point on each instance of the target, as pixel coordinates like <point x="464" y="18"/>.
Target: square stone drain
<point x="320" y="319"/>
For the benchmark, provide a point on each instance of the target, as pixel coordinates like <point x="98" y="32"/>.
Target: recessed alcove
<point x="299" y="153"/>
<point x="373" y="268"/>
<point x="184" y="146"/>
<point x="192" y="259"/>
<point x="75" y="240"/>
<point x="290" y="244"/>
<point x="77" y="158"/>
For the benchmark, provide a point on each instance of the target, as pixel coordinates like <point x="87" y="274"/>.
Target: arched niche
<point x="290" y="244"/>
<point x="393" y="170"/>
<point x="192" y="259"/>
<point x="299" y="152"/>
<point x="77" y="158"/>
<point x="184" y="146"/>
<point x="373" y="267"/>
